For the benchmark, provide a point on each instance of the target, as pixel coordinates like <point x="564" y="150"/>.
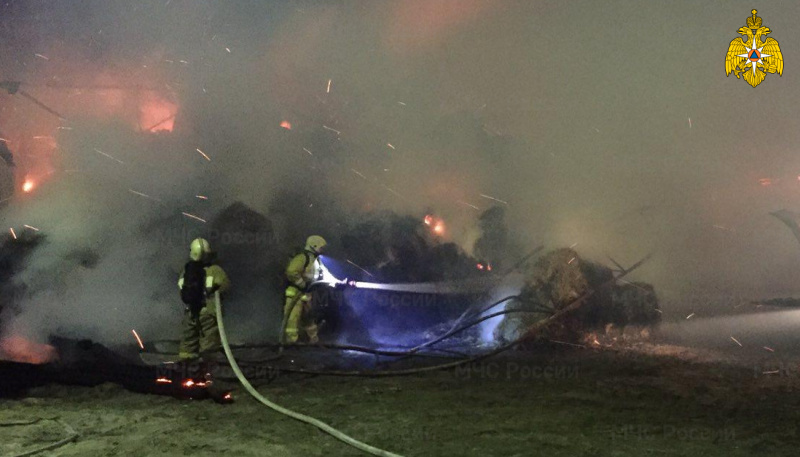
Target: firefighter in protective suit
<point x="200" y="279"/>
<point x="297" y="307"/>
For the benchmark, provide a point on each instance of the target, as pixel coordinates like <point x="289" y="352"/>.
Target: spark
<point x="138" y="340"/>
<point x="43" y="137"/>
<point x="401" y="103"/>
<point x="42" y="57"/>
<point x="722" y="227"/>
<point x="163" y="380"/>
<point x="193" y="217"/>
<point x="769" y="349"/>
<point x="573" y="245"/>
<point x="201" y="197"/>
<point x="227" y="396"/>
<point x="329" y="87"/>
<point x="428" y="219"/>
<point x="771" y="372"/>
<point x="63" y="128"/>
<point x="362" y="269"/>
<point x="690" y="122"/>
<point x="356" y="172"/>
<point x="765" y="181"/>
<point x="332" y="130"/>
<point x="28" y="185"/>
<point x="110" y="157"/>
<point x="737" y="341"/>
<point x="495" y="199"/>
<point x="228" y="49"/>
<point x="467" y="204"/>
<point x="570" y="261"/>
<point x="393" y="191"/>
<point x="143" y="195"/>
<point x="390" y="145"/>
<point x="309" y="152"/>
<point x="689" y="316"/>
<point x="11" y="229"/>
<point x="438" y="228"/>
<point x="203" y="154"/>
<point x="31" y="227"/>
<point x="188" y="383"/>
<point x="286" y="124"/>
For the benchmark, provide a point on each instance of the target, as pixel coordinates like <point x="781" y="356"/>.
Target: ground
<point x="553" y="402"/>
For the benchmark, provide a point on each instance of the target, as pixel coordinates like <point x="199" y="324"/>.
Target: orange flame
<point x="19" y="349"/>
<point x="28" y="185"/>
<point x="286" y="124"/>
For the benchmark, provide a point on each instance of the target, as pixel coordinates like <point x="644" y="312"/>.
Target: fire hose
<point x="294" y="415"/>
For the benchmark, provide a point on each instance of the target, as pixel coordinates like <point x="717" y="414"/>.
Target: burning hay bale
<point x="398" y="248"/>
<point x="561" y="277"/>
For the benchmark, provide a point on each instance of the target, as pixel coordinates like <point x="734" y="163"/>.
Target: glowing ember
<point x="286" y="124"/>
<point x="438" y="228"/>
<point x="28" y="185"/>
<point x="163" y="380"/>
<point x="428" y="219"/>
<point x="188" y="383"/>
<point x="480" y="266"/>
<point x="227" y="396"/>
<point x="138" y="340"/>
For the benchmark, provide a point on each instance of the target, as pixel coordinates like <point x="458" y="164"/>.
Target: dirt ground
<point x="558" y="402"/>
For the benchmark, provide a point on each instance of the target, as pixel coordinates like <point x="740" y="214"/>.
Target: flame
<point x="163" y="380"/>
<point x="157" y="114"/>
<point x="286" y="124"/>
<point x="18" y="349"/>
<point x="439" y="228"/>
<point x="28" y="185"/>
<point x="428" y="219"/>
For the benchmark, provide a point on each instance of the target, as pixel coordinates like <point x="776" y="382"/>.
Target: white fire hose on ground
<point x="294" y="415"/>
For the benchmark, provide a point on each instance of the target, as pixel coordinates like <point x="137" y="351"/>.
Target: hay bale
<point x="634" y="303"/>
<point x="555" y="281"/>
<point x="558" y="279"/>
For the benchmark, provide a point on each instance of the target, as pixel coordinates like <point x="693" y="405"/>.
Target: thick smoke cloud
<point x="575" y="115"/>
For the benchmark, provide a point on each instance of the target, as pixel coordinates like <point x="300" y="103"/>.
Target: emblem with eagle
<point x="753" y="55"/>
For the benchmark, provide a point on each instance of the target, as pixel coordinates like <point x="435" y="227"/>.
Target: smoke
<point x="442" y="106"/>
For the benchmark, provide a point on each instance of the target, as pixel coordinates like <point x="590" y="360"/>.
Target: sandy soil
<point x="559" y="402"/>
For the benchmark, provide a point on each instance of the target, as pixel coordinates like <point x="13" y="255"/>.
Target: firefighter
<point x="297" y="307"/>
<point x="200" y="279"/>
